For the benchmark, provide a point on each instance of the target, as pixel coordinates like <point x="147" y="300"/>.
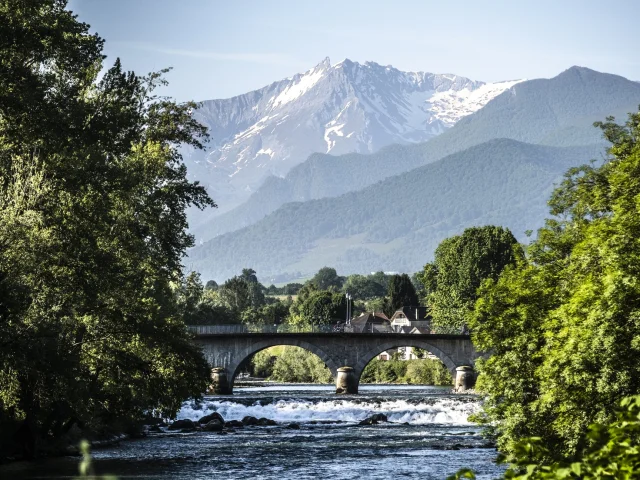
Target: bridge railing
<point x="285" y="328"/>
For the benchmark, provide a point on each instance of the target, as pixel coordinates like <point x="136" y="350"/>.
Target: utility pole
<point x="348" y="297"/>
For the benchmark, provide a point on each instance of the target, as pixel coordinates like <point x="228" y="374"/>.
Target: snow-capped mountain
<point x="335" y="109"/>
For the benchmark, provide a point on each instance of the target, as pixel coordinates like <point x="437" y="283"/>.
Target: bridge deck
<point x="375" y="335"/>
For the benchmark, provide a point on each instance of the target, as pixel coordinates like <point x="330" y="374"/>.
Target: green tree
<point x="189" y="297"/>
<point x="401" y="292"/>
<point x="291" y="288"/>
<point x="565" y="323"/>
<point x="318" y="307"/>
<point x="612" y="451"/>
<point x="249" y="275"/>
<point x="256" y="289"/>
<point x="235" y="294"/>
<point x="362" y="287"/>
<point x="327" y="278"/>
<point x="461" y="264"/>
<point x="274" y="313"/>
<point x="93" y="193"/>
<point x="298" y="365"/>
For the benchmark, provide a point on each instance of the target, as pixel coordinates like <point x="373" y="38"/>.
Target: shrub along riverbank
<point x="294" y="364"/>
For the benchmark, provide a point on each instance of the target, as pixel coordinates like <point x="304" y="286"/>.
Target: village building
<point x="370" y="322"/>
<point x="409" y="320"/>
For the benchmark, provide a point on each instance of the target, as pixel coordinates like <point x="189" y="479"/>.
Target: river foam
<point x="450" y="411"/>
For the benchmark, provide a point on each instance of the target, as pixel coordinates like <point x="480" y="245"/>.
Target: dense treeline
<point x="93" y="195"/>
<point x="321" y="300"/>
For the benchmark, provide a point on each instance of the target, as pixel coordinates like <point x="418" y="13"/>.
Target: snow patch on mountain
<point x="347" y="107"/>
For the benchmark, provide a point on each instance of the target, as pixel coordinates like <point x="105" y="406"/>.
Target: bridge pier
<point x="220" y="382"/>
<point x="346" y="380"/>
<point x="465" y="379"/>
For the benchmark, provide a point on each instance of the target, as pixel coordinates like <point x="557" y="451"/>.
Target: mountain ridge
<point x="557" y="111"/>
<point x="334" y="109"/>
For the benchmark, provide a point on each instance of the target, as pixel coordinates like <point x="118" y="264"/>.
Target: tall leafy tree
<point x="461" y="264"/>
<point x="327" y="278"/>
<point x="401" y="292"/>
<point x="318" y="307"/>
<point x="93" y="193"/>
<point x="564" y="326"/>
<point x="235" y="293"/>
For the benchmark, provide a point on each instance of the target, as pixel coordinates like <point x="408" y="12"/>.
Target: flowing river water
<point x="428" y="436"/>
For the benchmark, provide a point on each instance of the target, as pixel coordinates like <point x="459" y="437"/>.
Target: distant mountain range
<point x="496" y="165"/>
<point x="334" y="109"/>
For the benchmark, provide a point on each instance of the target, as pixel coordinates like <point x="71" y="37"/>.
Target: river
<point x="428" y="436"/>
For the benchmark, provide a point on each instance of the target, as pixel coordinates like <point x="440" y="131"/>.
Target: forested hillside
<point x="556" y="112"/>
<point x="397" y="223"/>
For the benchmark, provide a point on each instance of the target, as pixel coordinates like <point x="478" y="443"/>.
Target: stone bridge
<point x="345" y="354"/>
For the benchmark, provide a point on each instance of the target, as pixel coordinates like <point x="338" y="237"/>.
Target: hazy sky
<point x="223" y="48"/>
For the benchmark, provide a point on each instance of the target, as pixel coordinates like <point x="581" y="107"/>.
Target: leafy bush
<point x="293" y="364"/>
<point x="613" y="452"/>
<point x="423" y="372"/>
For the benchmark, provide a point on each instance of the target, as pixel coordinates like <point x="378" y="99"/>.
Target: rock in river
<point x="248" y="421"/>
<point x="374" y="419"/>
<point x="212" y="416"/>
<point x="264" y="422"/>
<point x="182" y="425"/>
<point x="214" y="425"/>
<point x="233" y="424"/>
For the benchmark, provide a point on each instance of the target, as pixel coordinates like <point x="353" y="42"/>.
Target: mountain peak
<point x="348" y="107"/>
<point x="577" y="71"/>
<point x="324" y="64"/>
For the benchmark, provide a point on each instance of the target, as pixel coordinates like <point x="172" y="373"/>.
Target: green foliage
<point x="612" y="452"/>
<point x="235" y="293"/>
<point x="295" y="364"/>
<point x="262" y="363"/>
<point x="271" y="314"/>
<point x="363" y="287"/>
<point x="288" y="289"/>
<point x="461" y="264"/>
<point x="563" y="327"/>
<point x="291" y="288"/>
<point x="420" y="372"/>
<point x="93" y="193"/>
<point x="401" y="293"/>
<point x="327" y="279"/>
<point x="199" y="305"/>
<point x="380" y="304"/>
<point x="318" y="307"/>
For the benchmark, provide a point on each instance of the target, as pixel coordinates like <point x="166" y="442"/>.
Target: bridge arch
<point x="245" y="355"/>
<point x="364" y="360"/>
<point x="227" y="353"/>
